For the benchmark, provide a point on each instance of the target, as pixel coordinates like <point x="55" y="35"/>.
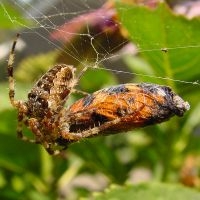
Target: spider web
<point x="48" y="16"/>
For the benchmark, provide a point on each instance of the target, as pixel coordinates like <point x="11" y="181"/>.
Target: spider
<point x="107" y="111"/>
<point x="45" y="105"/>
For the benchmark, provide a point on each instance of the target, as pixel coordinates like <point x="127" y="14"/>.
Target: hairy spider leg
<point x="10" y="74"/>
<point x="18" y="104"/>
<point x="80" y="92"/>
<point x="21" y="120"/>
<point x="49" y="146"/>
<point x="74" y="137"/>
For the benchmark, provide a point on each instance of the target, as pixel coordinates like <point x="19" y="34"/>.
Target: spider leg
<point x="50" y="149"/>
<point x="50" y="146"/>
<point x="34" y="126"/>
<point x="79" y="92"/>
<point x="19" y="126"/>
<point x="20" y="135"/>
<point x="85" y="68"/>
<point x="19" y="105"/>
<point x="73" y="137"/>
<point x="10" y="75"/>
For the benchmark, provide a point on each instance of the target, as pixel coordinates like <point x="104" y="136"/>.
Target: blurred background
<point x="129" y="41"/>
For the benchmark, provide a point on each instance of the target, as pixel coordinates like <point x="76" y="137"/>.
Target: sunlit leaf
<point x="153" y="30"/>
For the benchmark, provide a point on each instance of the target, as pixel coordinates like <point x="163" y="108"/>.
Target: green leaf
<point x="154" y="191"/>
<point x="154" y="30"/>
<point x="13" y="151"/>
<point x="96" y="79"/>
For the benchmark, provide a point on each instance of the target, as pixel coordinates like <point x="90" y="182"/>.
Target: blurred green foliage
<point x="28" y="172"/>
<point x="153" y="191"/>
<point x="11" y="18"/>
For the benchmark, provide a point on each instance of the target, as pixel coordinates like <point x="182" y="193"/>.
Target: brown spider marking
<point x="112" y="110"/>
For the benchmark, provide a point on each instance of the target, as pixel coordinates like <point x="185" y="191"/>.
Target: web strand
<point x="46" y="22"/>
<point x="151" y="76"/>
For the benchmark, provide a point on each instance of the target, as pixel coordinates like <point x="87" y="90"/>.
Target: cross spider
<point x="107" y="111"/>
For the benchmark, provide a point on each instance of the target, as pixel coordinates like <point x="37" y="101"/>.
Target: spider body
<point x="49" y="94"/>
<point x="46" y="100"/>
<point x="112" y="110"/>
